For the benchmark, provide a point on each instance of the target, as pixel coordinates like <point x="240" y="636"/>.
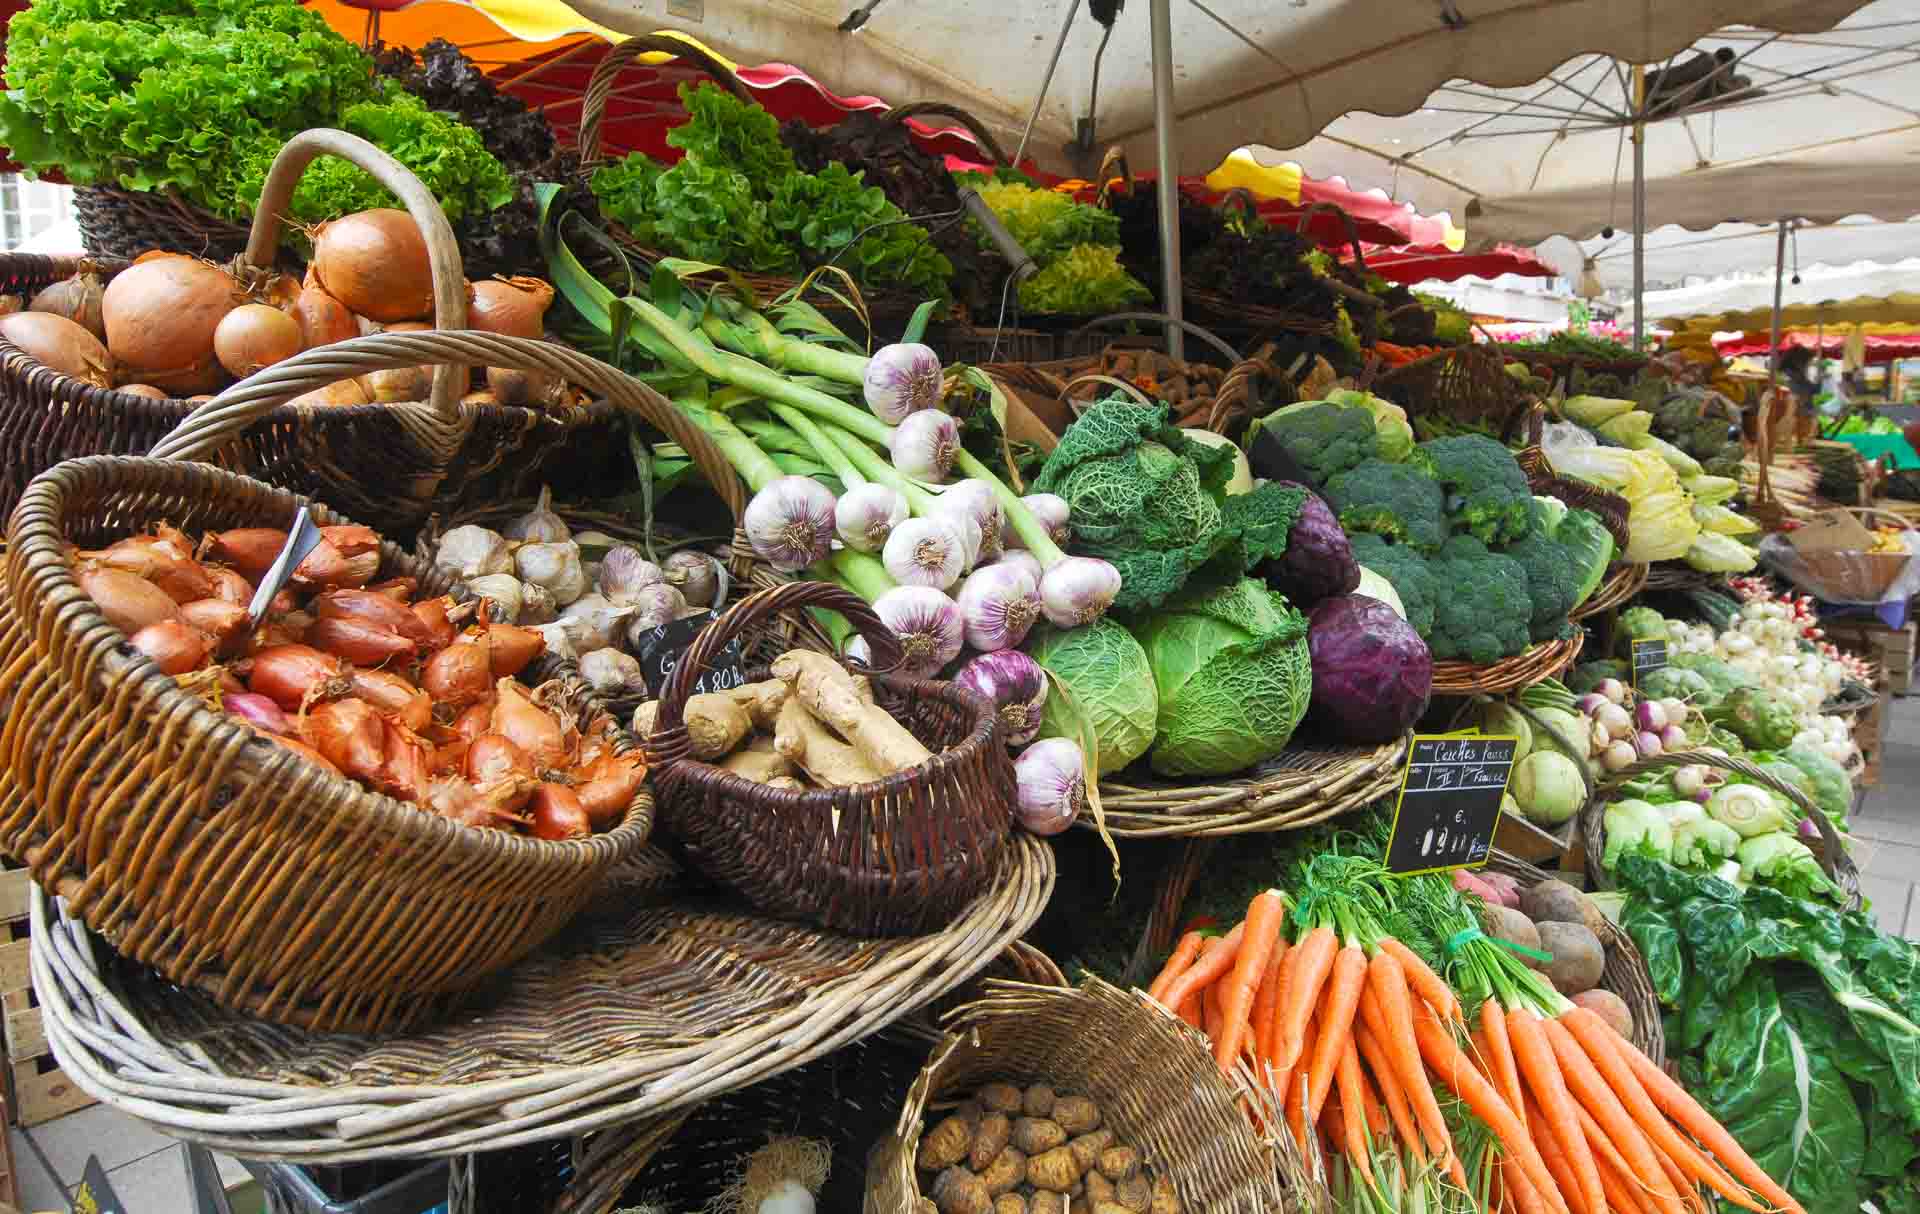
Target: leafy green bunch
<point x="169" y="94"/>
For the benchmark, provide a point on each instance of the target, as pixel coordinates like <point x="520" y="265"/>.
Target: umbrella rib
<point x="1463" y="132"/>
<point x="1514" y="106"/>
<point x="1832" y="82"/>
<point x="1228" y="26"/>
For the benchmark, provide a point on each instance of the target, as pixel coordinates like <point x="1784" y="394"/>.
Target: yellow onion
<point x="61" y="345"/>
<point x="323" y="319"/>
<point x="77" y="299"/>
<point x="253" y="336"/>
<point x="375" y="262"/>
<point x="514" y="307"/>
<point x="161" y="316"/>
<point x="144" y="391"/>
<point x="340" y="392"/>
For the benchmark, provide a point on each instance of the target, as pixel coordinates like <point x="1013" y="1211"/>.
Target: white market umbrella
<point x="1677" y="257"/>
<point x="1866" y="292"/>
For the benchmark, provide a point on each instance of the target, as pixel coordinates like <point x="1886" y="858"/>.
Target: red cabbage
<point x="1318" y="562"/>
<point x="1372" y="674"/>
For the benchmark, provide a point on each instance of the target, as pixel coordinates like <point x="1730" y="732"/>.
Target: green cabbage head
<point x="1108" y="686"/>
<point x="1234" y="678"/>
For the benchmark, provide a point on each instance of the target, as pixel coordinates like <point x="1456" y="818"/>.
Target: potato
<point x="1099" y="1188"/>
<point x="1165" y="1200"/>
<point x="1609" y="1007"/>
<point x="1558" y="902"/>
<point x="1135" y="1193"/>
<point x="1043" y="1202"/>
<point x="1002" y="1098"/>
<point x="945" y="1145"/>
<point x="1512" y="926"/>
<point x="959" y="1191"/>
<point x="1009" y="1203"/>
<point x="1088" y="1148"/>
<point x="1052" y="1170"/>
<point x="1110" y="1207"/>
<point x="1076" y="1114"/>
<point x="989" y="1138"/>
<point x="1039" y="1101"/>
<point x="1007" y="1172"/>
<point x="1119" y="1163"/>
<point x="1578" y="958"/>
<point x="971" y="1110"/>
<point x="1037" y="1135"/>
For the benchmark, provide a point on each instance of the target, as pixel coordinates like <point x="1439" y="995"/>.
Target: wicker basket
<point x="654" y="1008"/>
<point x="454" y="903"/>
<point x="1153" y="1077"/>
<point x="1621" y="584"/>
<point x="1524" y="669"/>
<point x="387" y="465"/>
<point x="1305" y="784"/>
<point x="897" y="856"/>
<point x="1626" y="972"/>
<point x="1464" y="384"/>
<point x="120" y="225"/>
<point x="1828" y="848"/>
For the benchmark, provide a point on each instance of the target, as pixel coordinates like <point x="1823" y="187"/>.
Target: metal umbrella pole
<point x="1779" y="273"/>
<point x="1167" y="187"/>
<point x="1639" y="208"/>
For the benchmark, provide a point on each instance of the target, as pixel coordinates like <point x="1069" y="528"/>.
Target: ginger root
<point x="809" y="745"/>
<point x="828" y="692"/>
<point x="716" y="724"/>
<point x="758" y="761"/>
<point x="761" y="700"/>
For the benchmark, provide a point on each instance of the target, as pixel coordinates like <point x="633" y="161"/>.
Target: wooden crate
<point x="1892" y="648"/>
<point x="37" y="1089"/>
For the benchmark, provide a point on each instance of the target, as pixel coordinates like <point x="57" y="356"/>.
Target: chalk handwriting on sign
<point x="1449" y="804"/>
<point x="659" y="652"/>
<point x="1648" y="656"/>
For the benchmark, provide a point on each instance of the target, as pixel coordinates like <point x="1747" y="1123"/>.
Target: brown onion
<point x="407" y="769"/>
<point x="394" y="697"/>
<point x="219" y="619"/>
<point x="609" y="788"/>
<point x="180" y="577"/>
<point x="174" y="647"/>
<point x="527" y="725"/>
<point x="372" y="607"/>
<point x="375" y="262"/>
<point x="458" y="675"/>
<point x="303" y="750"/>
<point x="161" y="316"/>
<point x="323" y="319"/>
<point x="525" y="388"/>
<point x="143" y="391"/>
<point x="77" y="299"/>
<point x="453" y="798"/>
<point x="398" y="384"/>
<point x="494" y="757"/>
<point x="469" y="725"/>
<point x="340" y="560"/>
<point x="60" y="345"/>
<point x="557" y="814"/>
<point x="349" y="734"/>
<point x="129" y="602"/>
<point x="399" y="589"/>
<point x="359" y="642"/>
<point x="339" y="392"/>
<point x="281" y="627"/>
<point x="290" y="675"/>
<point x="515" y="307"/>
<point x="253" y="336"/>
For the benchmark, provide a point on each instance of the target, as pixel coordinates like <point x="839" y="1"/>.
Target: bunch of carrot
<point x="1400" y="356"/>
<point x="1352" y="1028"/>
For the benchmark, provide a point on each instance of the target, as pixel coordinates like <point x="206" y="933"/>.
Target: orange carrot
<point x="1602" y="1046"/>
<point x="1296" y="1090"/>
<point x="1592" y="1092"/>
<point x="1500" y="1053"/>
<point x="1535" y="1058"/>
<point x="1525" y="1197"/>
<point x="1190" y="1011"/>
<point x="1390" y="1089"/>
<point x="1177" y="964"/>
<point x="1622" y="1194"/>
<point x="1265" y="915"/>
<point x="1260" y="1019"/>
<point x="1343" y="989"/>
<point x="1215" y="959"/>
<point x="1211" y="1013"/>
<point x="1387" y="990"/>
<point x="1353" y="1103"/>
<point x="1289" y="966"/>
<point x="1372" y="1109"/>
<point x="1316" y="951"/>
<point x="1424" y="982"/>
<point x="1550" y="1153"/>
<point x="1457" y="1073"/>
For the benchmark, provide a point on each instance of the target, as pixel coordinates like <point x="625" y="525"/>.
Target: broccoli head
<point x="1392" y="500"/>
<point x="1487" y="495"/>
<point x="1406" y="571"/>
<point x="1486" y="608"/>
<point x="1553" y="576"/>
<point x="1324" y="440"/>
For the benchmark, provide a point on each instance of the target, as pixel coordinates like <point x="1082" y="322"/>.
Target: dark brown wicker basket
<point x="121" y="224"/>
<point x="898" y="856"/>
<point x="229" y="864"/>
<point x="1464" y="384"/>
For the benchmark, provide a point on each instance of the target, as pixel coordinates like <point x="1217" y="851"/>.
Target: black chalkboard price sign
<point x="1449" y="803"/>
<point x="1648" y="656"/>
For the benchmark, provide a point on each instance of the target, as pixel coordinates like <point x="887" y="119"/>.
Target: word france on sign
<point x="1449" y="803"/>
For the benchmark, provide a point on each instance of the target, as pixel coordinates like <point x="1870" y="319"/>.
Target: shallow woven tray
<point x="1524" y="669"/>
<point x="1307" y="783"/>
<point x="1626" y="972"/>
<point x="654" y="1008"/>
<point x="1852" y="699"/>
<point x="1621" y="583"/>
<point x="1677" y="575"/>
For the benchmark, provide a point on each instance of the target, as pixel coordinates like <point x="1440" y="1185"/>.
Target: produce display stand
<point x="647" y="1006"/>
<point x="1304" y="785"/>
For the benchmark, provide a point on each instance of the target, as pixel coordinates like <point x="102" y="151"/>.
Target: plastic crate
<point x="401" y="1187"/>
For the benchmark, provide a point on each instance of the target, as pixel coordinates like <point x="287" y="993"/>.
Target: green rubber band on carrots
<point x="1467" y="936"/>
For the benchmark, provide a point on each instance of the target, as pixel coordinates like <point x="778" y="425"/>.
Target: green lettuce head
<point x="1234" y="678"/>
<point x="1108" y="690"/>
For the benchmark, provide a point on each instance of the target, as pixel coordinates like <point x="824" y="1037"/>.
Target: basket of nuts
<point x="1045" y="1098"/>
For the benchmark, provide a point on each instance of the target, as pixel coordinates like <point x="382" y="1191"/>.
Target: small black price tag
<point x="1648" y="656"/>
<point x="1449" y="804"/>
<point x="659" y="652"/>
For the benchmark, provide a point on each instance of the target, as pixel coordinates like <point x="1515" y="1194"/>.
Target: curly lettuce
<point x="1087" y="279"/>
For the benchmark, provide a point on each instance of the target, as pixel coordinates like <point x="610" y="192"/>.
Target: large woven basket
<point x="1154" y="1079"/>
<point x="1464" y="384"/>
<point x="1626" y="970"/>
<point x="662" y="1003"/>
<point x="387" y="465"/>
<point x="1829" y="848"/>
<point x="897" y="856"/>
<point x="1308" y="782"/>
<point x="1524" y="669"/>
<point x="121" y="224"/>
<point x="226" y="863"/>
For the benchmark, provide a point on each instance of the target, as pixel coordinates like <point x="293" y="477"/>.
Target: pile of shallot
<point x="174" y="325"/>
<point x="410" y="696"/>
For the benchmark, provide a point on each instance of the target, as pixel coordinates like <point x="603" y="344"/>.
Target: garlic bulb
<point x="657" y="605"/>
<point x="625" y="572"/>
<point x="555" y="566"/>
<point x="612" y="672"/>
<point x="537" y="605"/>
<point x="539" y="525"/>
<point x="471" y="552"/>
<point x="591" y="622"/>
<point x="697" y="575"/>
<point x="559" y="638"/>
<point x="504" y="592"/>
<point x="594" y="544"/>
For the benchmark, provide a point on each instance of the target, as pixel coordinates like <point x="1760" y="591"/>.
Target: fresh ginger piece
<point x="811" y="746"/>
<point x="828" y="692"/>
<point x="762" y="700"/>
<point x="715" y="723"/>
<point x="758" y="761"/>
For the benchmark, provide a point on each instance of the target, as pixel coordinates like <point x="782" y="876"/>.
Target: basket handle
<point x="1237" y="390"/>
<point x="669" y="739"/>
<point x="1113" y="164"/>
<point x="1112" y="381"/>
<point x="1353" y="229"/>
<point x="1161" y="318"/>
<point x="220" y="419"/>
<point x="976" y="128"/>
<point x="444" y="430"/>
<point x="593" y="110"/>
